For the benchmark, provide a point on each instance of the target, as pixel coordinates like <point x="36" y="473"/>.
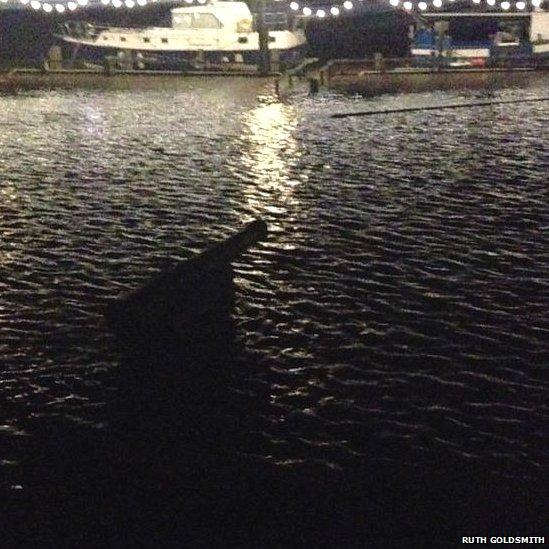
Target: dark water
<point x="397" y="314"/>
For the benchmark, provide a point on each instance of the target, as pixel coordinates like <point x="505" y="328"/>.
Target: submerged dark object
<point x="187" y="308"/>
<point x="441" y="107"/>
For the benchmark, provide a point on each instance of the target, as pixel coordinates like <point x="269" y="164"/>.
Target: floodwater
<point x="397" y="313"/>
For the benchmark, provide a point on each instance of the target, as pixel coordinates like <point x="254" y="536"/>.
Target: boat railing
<point x="78" y="29"/>
<point x="469" y="44"/>
<point x="352" y="67"/>
<point x="275" y="21"/>
<point x="83" y="29"/>
<point x="430" y="43"/>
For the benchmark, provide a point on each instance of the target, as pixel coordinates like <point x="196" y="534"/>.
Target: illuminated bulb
<point x="129" y="3"/>
<point x="105" y="2"/>
<point x="505" y="5"/>
<point x="521" y="5"/>
<point x="422" y="6"/>
<point x="348" y="5"/>
<point x="294" y="6"/>
<point x="201" y="1"/>
<point x="25" y="2"/>
<point x="334" y="10"/>
<point x="320" y="13"/>
<point x="307" y="11"/>
<point x="82" y="2"/>
<point x="72" y="5"/>
<point x="536" y="3"/>
<point x="48" y="8"/>
<point x="35" y="5"/>
<point x="437" y="3"/>
<point x="116" y="3"/>
<point x="476" y="1"/>
<point x="491" y="2"/>
<point x="60" y="8"/>
<point x="393" y="2"/>
<point x="142" y="2"/>
<point x="407" y="5"/>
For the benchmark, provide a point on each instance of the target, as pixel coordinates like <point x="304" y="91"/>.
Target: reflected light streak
<point x="270" y="145"/>
<point x="9" y="193"/>
<point x="93" y="122"/>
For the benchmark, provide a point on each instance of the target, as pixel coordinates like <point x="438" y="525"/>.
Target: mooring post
<point x="327" y="70"/>
<point x="263" y="34"/>
<point x="200" y="60"/>
<point x="378" y="61"/>
<point x="74" y="54"/>
<point x="440" y="29"/>
<point x="55" y="58"/>
<point x="108" y="65"/>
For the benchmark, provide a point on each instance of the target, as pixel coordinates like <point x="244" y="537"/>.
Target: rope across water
<point x="439" y="107"/>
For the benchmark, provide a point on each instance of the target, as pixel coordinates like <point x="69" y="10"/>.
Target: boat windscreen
<point x="196" y="21"/>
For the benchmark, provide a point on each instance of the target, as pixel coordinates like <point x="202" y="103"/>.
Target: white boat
<point x="511" y="38"/>
<point x="217" y="32"/>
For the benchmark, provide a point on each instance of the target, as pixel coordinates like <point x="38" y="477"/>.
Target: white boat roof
<point x="236" y="9"/>
<point x="229" y="14"/>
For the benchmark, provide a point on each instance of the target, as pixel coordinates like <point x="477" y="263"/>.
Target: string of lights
<point x="75" y="4"/>
<point x="407" y="5"/>
<point x="302" y="9"/>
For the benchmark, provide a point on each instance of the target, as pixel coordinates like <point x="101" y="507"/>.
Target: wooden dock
<point x="22" y="79"/>
<point x="361" y="76"/>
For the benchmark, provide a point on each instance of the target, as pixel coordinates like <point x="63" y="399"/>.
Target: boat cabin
<point x="229" y="16"/>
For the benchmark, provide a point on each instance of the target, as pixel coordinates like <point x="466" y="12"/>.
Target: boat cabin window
<point x="105" y="37"/>
<point x="164" y="40"/>
<point x="122" y="39"/>
<point x="244" y="25"/>
<point x="196" y="21"/>
<point x="146" y="39"/>
<point x="242" y="39"/>
<point x="272" y="38"/>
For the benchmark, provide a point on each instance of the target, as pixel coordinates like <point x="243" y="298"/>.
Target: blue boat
<point x="481" y="39"/>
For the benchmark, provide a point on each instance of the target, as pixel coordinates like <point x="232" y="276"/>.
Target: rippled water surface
<point x="398" y="309"/>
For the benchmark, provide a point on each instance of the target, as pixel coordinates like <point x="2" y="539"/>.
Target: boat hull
<point x="182" y="60"/>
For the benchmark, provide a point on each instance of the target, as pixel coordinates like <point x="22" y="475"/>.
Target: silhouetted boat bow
<point x="188" y="306"/>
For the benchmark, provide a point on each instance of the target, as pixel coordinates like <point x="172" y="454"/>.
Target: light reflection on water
<point x="271" y="145"/>
<point x="397" y="309"/>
